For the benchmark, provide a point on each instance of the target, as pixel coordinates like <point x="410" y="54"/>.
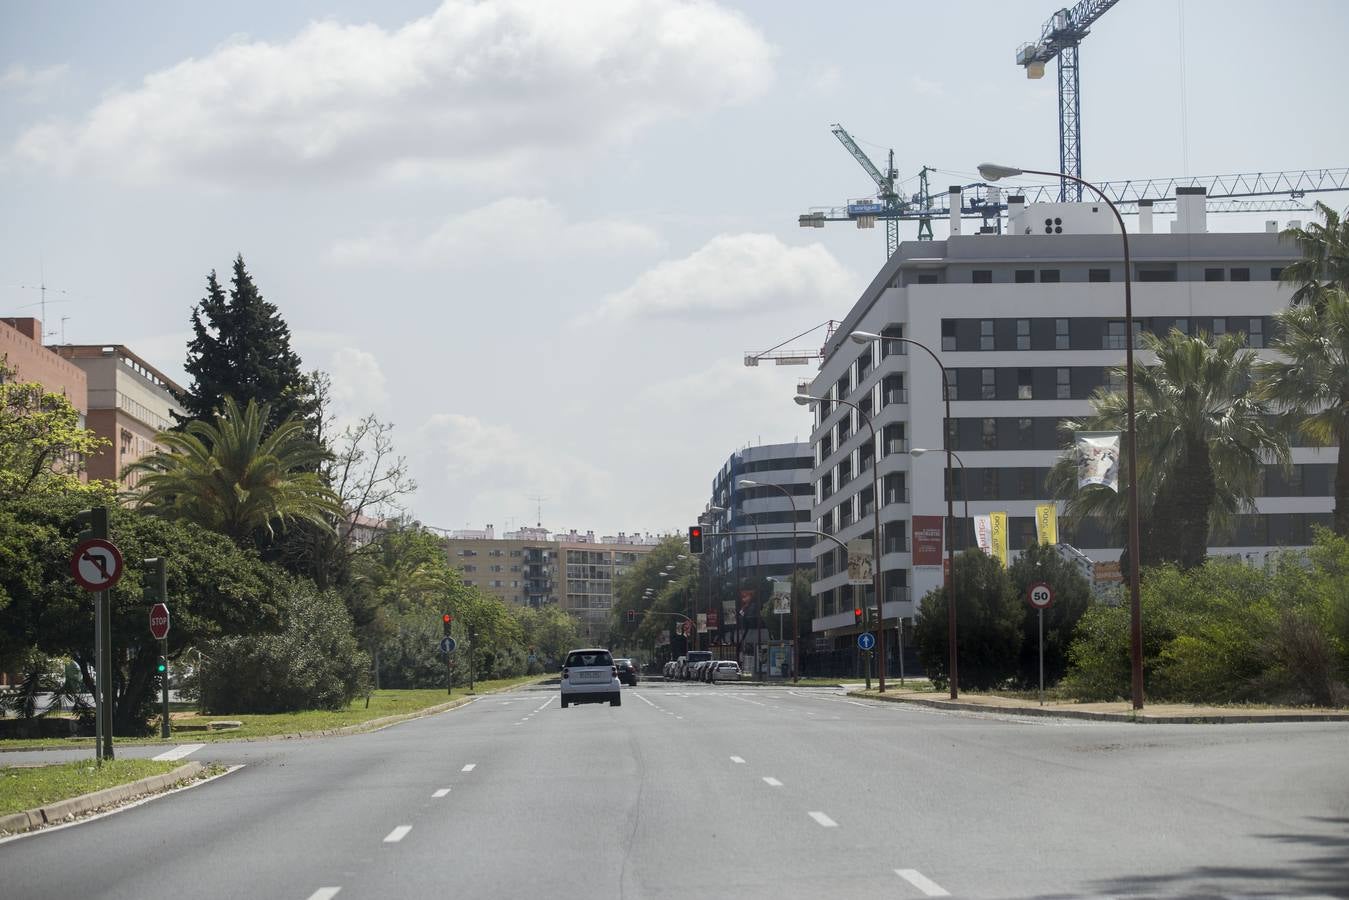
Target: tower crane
<point x="1059" y="39"/>
<point x="887" y="205"/>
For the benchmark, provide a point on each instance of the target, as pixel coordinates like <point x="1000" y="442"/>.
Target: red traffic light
<point x="447" y="618"/>
<point x="857" y="614"/>
<point x="695" y="539"/>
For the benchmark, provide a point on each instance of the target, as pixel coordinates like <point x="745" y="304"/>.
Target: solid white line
<point x="736" y="759"/>
<point x="547" y="703"/>
<point x="469" y="768"/>
<point x="922" y="882"/>
<point x="327" y="893"/>
<point x="824" y="820"/>
<point x="440" y="793"/>
<point x="772" y="782"/>
<point x="178" y="752"/>
<point x="397" y="834"/>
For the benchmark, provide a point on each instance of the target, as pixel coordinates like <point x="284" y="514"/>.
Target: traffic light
<point x="632" y="615"/>
<point x="162" y="666"/>
<point x="446" y="621"/>
<point x="857" y="614"/>
<point x="695" y="539"/>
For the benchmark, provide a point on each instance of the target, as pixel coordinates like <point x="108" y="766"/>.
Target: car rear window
<point x="589" y="658"/>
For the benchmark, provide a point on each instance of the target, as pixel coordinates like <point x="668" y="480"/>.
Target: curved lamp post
<point x="992" y="172"/>
<point x="876" y="543"/>
<point x="867" y="337"/>
<point x="796" y="634"/>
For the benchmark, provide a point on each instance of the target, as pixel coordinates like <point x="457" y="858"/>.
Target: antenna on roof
<point x="539" y="501"/>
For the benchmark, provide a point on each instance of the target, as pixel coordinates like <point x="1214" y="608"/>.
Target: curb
<point x="87" y="803"/>
<point x="1093" y="716"/>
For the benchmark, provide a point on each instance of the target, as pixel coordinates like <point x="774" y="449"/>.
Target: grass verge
<point x="28" y="787"/>
<point x="256" y="725"/>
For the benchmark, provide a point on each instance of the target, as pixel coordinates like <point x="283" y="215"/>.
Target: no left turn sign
<point x="96" y="564"/>
<point x="1040" y="595"/>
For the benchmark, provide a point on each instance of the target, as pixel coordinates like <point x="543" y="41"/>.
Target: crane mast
<point x="889" y="206"/>
<point x="1059" y="39"/>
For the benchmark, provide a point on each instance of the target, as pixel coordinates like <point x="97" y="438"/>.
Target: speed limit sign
<point x="1040" y="595"/>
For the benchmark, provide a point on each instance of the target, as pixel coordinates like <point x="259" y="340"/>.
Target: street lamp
<point x="877" y="548"/>
<point x="993" y="172"/>
<point x="867" y="337"/>
<point x="796" y="633"/>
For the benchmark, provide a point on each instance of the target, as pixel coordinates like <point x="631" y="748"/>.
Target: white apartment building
<point x="1028" y="323"/>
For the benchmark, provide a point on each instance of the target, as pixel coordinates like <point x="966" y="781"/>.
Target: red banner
<point x="927" y="540"/>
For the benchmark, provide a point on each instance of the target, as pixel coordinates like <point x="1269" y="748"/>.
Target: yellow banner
<point x="998" y="536"/>
<point x="1046" y="523"/>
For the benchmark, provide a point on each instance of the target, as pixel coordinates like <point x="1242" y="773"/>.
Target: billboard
<point x="927" y="540"/>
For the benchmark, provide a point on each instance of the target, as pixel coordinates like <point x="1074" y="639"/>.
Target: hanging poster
<point x="1098" y="459"/>
<point x="998" y="536"/>
<point x="927" y="540"/>
<point x="983" y="533"/>
<point x="1046" y="523"/>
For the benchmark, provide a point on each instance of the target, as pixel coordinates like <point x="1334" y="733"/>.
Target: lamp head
<point x="994" y="172"/>
<point x="804" y="400"/>
<point x="863" y="337"/>
<point x="745" y="482"/>
<point x="917" y="451"/>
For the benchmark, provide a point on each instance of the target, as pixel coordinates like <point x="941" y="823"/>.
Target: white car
<point x="724" y="670"/>
<point x="590" y="676"/>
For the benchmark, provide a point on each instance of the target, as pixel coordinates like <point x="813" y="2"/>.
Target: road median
<point x="55" y="811"/>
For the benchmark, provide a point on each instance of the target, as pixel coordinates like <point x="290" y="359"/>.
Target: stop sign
<point x="159" y="621"/>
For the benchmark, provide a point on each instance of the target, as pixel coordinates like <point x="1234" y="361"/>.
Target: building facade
<point x="130" y="402"/>
<point x="1028" y="323"/>
<point x="22" y="349"/>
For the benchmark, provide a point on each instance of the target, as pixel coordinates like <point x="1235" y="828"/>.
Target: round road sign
<point x="159" y="621"/>
<point x="447" y="645"/>
<point x="96" y="564"/>
<point x="1040" y="595"/>
<point x="866" y="640"/>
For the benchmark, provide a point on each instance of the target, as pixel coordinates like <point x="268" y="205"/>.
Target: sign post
<point x="157" y="588"/>
<point x="1041" y="596"/>
<point x="96" y="565"/>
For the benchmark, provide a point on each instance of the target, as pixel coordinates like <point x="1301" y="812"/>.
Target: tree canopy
<point x="42" y="446"/>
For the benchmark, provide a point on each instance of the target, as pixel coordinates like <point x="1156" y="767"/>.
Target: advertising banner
<point x="1046" y="523"/>
<point x="983" y="533"/>
<point x="859" y="562"/>
<point x="713" y="620"/>
<point x="702" y="623"/>
<point x="1098" y="459"/>
<point x="927" y="540"/>
<point x="998" y="536"/>
<point x="782" y="597"/>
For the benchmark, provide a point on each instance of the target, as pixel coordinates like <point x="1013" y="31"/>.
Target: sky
<point x="539" y="237"/>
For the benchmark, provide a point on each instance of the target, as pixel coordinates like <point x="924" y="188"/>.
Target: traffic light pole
<point x="164" y="722"/>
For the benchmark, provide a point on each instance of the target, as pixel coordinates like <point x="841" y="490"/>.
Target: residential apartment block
<point x="533" y="567"/>
<point x="22" y="349"/>
<point x="1028" y="323"/>
<point x="130" y="402"/>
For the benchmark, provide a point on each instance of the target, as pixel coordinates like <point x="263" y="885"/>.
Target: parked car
<point x="706" y="673"/>
<point x="627" y="671"/>
<point x="725" y="670"/>
<point x="590" y="676"/>
<point x="670" y="668"/>
<point x="680" y="664"/>
<point x="693" y="656"/>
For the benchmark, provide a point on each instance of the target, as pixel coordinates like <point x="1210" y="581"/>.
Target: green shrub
<point x="312" y="662"/>
<point x="989" y="625"/>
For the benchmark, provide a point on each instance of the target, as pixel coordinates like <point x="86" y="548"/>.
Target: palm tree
<point x="1204" y="437"/>
<point x="1325" y="257"/>
<point x="1312" y="382"/>
<point x="227" y="476"/>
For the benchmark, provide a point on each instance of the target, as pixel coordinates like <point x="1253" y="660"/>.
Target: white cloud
<point x="734" y="274"/>
<point x="31" y="83"/>
<point x="358" y="383"/>
<point x="510" y="229"/>
<point x="486" y="466"/>
<point x="478" y="88"/>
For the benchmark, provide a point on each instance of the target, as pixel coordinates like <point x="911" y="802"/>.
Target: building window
<point x="1064" y="383"/>
<point x="1023" y="334"/>
<point x="1181" y="325"/>
<point x="985" y="334"/>
<point x="1025" y="484"/>
<point x="951" y="392"/>
<point x="1025" y="276"/>
<point x="990" y="484"/>
<point x="990" y="434"/>
<point x="1049" y="276"/>
<point x="1114" y="335"/>
<point x="1256" y="337"/>
<point x="1025" y="384"/>
<point x="1061" y="334"/>
<point x="1219" y="327"/>
<point x="1276" y="273"/>
<point x="1213" y="274"/>
<point x="988" y="388"/>
<point x="948" y="335"/>
<point x="1157" y="274"/>
<point x="1241" y="274"/>
<point x="889" y="344"/>
<point x="953" y="434"/>
<point x="1115" y="381"/>
<point x="1025" y="434"/>
<point x="927" y="278"/>
<point x="1098" y="276"/>
<point x="982" y="276"/>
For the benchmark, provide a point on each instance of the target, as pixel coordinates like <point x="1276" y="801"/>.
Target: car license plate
<point x="592" y="676"/>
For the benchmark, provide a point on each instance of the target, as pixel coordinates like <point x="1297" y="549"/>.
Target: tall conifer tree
<point x="240" y="348"/>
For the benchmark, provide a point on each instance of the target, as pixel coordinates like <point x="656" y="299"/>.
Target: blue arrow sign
<point x="866" y="640"/>
<point x="447" y="645"/>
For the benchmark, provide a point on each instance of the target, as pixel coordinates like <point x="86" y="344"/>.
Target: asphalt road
<point x="699" y="791"/>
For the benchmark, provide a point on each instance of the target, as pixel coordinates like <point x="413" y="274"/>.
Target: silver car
<point x="724" y="670"/>
<point x="590" y="676"/>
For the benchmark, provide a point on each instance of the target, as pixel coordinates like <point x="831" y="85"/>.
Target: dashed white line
<point x="325" y="893"/>
<point x="737" y="759"/>
<point x="547" y="703"/>
<point x="469" y="768"/>
<point x="178" y="752"/>
<point x="922" y="882"/>
<point x="825" y="821"/>
<point x="646" y="701"/>
<point x="440" y="793"/>
<point x="397" y="834"/>
<point x="772" y="782"/>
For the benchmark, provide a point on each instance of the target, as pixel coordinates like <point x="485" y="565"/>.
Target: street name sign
<point x="1040" y="595"/>
<point x="159" y="621"/>
<point x="96" y="564"/>
<point x="866" y="640"/>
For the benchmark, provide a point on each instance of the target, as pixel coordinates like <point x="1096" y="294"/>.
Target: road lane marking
<point x="469" y="768"/>
<point x="772" y="782"/>
<point x="178" y="752"/>
<point x="922" y="882"/>
<point x="547" y="703"/>
<point x="440" y="793"/>
<point x="327" y="893"/>
<point x="825" y="821"/>
<point x="736" y="759"/>
<point x="397" y="834"/>
<point x="646" y="701"/>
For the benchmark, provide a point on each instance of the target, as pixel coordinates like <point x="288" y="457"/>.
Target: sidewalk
<point x="1115" y="711"/>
